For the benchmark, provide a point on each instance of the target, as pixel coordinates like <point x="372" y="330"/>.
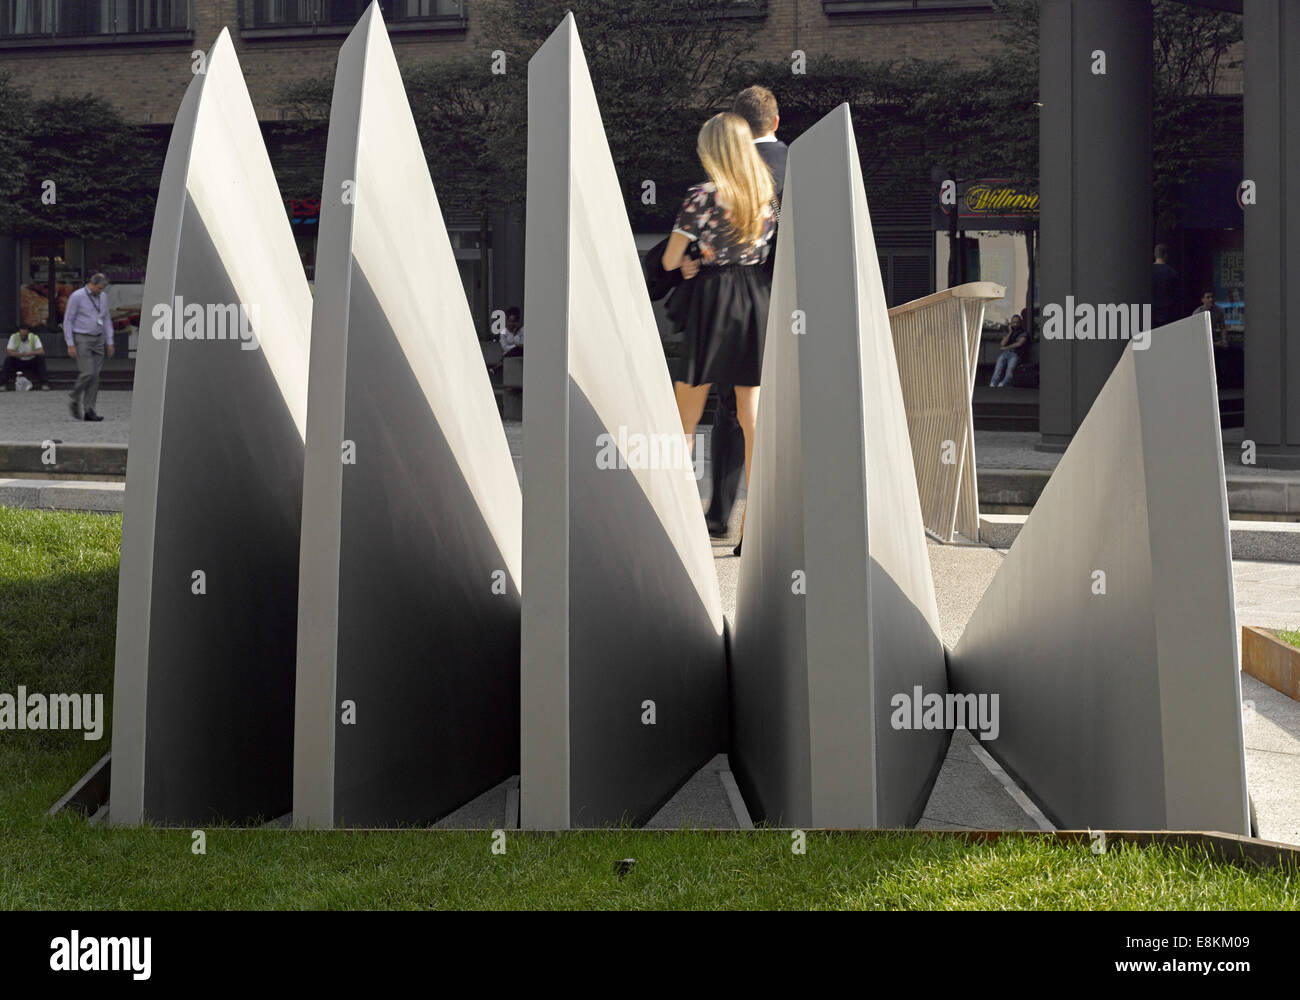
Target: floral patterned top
<point x="703" y="218"/>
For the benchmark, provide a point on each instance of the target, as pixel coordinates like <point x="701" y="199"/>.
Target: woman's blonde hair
<point x="743" y="182"/>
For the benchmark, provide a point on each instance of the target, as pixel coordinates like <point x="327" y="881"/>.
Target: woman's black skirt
<point x="723" y="313"/>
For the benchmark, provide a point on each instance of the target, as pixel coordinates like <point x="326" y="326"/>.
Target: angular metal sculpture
<point x="1109" y="630"/>
<point x="836" y="610"/>
<point x="208" y="587"/>
<point x="937" y="342"/>
<point x="409" y="595"/>
<point x="623" y="676"/>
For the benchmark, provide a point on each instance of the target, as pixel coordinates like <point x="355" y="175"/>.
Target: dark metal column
<point x="1272" y="157"/>
<point x="1095" y="184"/>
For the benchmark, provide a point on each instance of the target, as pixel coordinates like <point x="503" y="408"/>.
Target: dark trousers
<point x="727" y="454"/>
<point x="90" y="359"/>
<point x="727" y="446"/>
<point x="30" y="366"/>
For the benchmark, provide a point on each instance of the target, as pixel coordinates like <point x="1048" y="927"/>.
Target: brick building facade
<point x="144" y="73"/>
<point x="137" y="55"/>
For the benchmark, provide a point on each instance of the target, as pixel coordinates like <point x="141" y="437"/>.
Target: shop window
<point x="58" y="20"/>
<point x="905" y="276"/>
<point x="268" y="18"/>
<point x="901" y="6"/>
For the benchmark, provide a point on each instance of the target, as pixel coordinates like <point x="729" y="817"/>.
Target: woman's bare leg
<point x="690" y="407"/>
<point x="747" y="415"/>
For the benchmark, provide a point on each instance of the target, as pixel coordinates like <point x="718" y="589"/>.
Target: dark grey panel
<point x="203" y="703"/>
<point x="623" y="604"/>
<point x="399" y="610"/>
<point x="426" y="649"/>
<point x="1121" y="710"/>
<point x="640" y="633"/>
<point x="832" y="497"/>
<point x="220" y="706"/>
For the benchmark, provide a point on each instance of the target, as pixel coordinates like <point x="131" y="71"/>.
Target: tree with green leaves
<point x="659" y="69"/>
<point x="15" y="127"/>
<point x="105" y="180"/>
<point x="71" y="166"/>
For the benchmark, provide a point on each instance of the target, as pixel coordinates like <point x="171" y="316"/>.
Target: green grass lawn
<point x="1291" y="636"/>
<point x="58" y="598"/>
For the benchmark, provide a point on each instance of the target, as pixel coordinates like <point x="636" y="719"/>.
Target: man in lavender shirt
<point x="88" y="333"/>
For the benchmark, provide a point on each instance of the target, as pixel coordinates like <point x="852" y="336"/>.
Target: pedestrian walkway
<point x="1011" y="471"/>
<point x="35" y="416"/>
<point x="1017" y="450"/>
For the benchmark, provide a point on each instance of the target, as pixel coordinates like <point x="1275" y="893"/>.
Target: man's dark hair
<point x="513" y="311"/>
<point x="1162" y="251"/>
<point x="757" y="106"/>
<point x="1209" y="292"/>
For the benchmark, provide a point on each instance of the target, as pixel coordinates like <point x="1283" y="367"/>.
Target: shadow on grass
<point x="58" y="615"/>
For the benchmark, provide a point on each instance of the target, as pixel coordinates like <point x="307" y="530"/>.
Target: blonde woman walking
<point x="727" y="223"/>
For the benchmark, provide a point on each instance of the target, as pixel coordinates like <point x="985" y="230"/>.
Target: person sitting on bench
<point x="25" y="354"/>
<point x="1015" y="345"/>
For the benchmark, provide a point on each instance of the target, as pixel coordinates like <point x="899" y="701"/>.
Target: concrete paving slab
<point x="36" y="416"/>
<point x="1271" y="719"/>
<point x="1253" y="540"/>
<point x="1266" y="594"/>
<point x="969" y="796"/>
<point x="1017" y="450"/>
<point x="62" y="495"/>
<point x="486" y="811"/>
<point x="1271" y="724"/>
<point x="936" y="824"/>
<point x="701" y="804"/>
<point x="961" y="575"/>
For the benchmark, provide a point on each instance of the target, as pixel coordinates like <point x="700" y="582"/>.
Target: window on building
<point x="342" y="13"/>
<point x="81" y="18"/>
<point x="897" y="6"/>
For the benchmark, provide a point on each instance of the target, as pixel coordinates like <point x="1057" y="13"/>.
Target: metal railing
<point x="936" y="341"/>
<point x="85" y="18"/>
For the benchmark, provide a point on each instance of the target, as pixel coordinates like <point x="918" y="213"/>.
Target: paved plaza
<point x="36" y="416"/>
